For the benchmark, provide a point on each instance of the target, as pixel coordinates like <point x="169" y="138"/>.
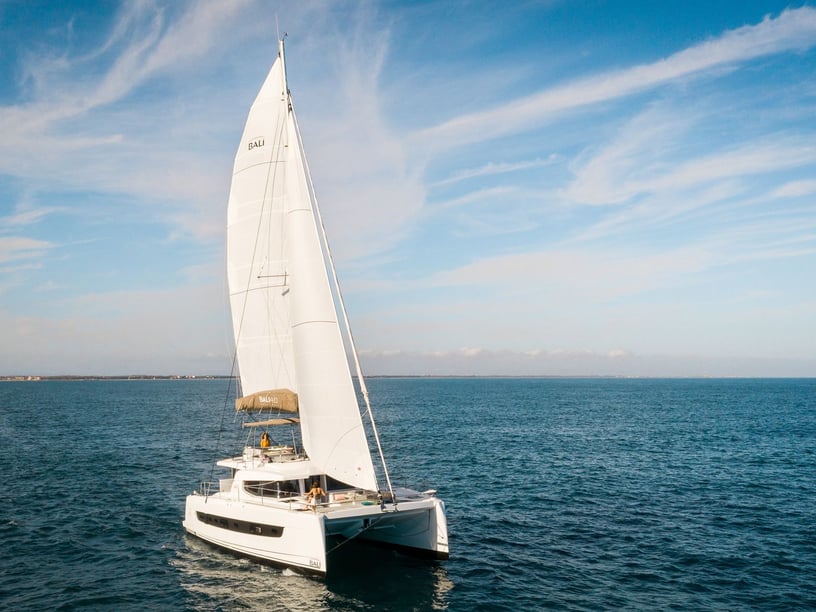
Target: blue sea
<point x="564" y="494"/>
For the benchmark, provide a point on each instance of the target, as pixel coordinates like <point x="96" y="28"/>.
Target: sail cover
<point x="283" y="312"/>
<point x="277" y="400"/>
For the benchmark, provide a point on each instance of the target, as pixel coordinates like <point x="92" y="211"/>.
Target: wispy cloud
<point x="25" y="215"/>
<point x="490" y="194"/>
<point x="622" y="171"/>
<point x="792" y="30"/>
<point x="597" y="224"/>
<point x="597" y="276"/>
<point x="492" y="168"/>
<point x="795" y="189"/>
<point x="141" y="44"/>
<point x="69" y="130"/>
<point x="14" y="248"/>
<point x="358" y="158"/>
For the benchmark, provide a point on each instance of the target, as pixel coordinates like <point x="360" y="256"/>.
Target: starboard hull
<point x="304" y="540"/>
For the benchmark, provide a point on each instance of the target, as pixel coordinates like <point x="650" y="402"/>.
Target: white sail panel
<point x="332" y="429"/>
<point x="256" y="267"/>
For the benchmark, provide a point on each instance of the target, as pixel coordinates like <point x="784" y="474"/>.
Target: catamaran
<point x="293" y="500"/>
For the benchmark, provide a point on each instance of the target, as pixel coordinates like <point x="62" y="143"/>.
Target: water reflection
<point x="362" y="577"/>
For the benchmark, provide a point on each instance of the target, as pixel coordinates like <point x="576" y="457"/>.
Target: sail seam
<point x="271" y="162"/>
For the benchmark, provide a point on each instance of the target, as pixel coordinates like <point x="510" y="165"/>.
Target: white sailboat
<point x="287" y="312"/>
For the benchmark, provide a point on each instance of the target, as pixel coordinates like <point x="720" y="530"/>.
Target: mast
<point x="283" y="71"/>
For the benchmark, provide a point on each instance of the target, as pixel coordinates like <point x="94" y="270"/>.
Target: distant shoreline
<point x="66" y="377"/>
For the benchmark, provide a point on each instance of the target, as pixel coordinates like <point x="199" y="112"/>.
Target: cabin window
<point x="336" y="485"/>
<point x="277" y="488"/>
<point x="271" y="531"/>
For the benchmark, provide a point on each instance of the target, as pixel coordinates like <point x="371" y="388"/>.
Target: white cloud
<point x="584" y="275"/>
<point x="656" y="212"/>
<point x="750" y="160"/>
<point x="792" y="30"/>
<point x="795" y="189"/>
<point x="149" y="125"/>
<point x="77" y="129"/>
<point x="622" y="171"/>
<point x="369" y="192"/>
<point x="141" y="44"/>
<point x="490" y="194"/>
<point x="25" y="215"/>
<point x="83" y="131"/>
<point x="15" y="248"/>
<point x="496" y="168"/>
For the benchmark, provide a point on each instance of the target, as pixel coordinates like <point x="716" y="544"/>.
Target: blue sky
<point x="590" y="188"/>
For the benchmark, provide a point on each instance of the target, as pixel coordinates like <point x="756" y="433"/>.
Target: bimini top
<point x="281" y="421"/>
<point x="279" y="400"/>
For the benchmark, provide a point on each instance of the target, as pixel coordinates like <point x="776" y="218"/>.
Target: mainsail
<point x="283" y="313"/>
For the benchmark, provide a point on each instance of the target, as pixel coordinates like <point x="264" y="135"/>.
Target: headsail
<point x="284" y="317"/>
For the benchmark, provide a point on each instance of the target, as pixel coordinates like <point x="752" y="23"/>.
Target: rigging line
<point x="336" y="282"/>
<point x="224" y="407"/>
<point x="223" y="413"/>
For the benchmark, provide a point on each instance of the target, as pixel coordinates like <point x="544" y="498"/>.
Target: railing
<point x="208" y="487"/>
<point x="297" y="501"/>
<point x="339" y="498"/>
<point x="294" y="500"/>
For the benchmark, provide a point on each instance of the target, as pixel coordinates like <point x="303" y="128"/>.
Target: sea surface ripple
<point x="566" y="494"/>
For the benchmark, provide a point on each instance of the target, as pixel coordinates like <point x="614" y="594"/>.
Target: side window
<point x="284" y="488"/>
<point x="289" y="488"/>
<point x="336" y="485"/>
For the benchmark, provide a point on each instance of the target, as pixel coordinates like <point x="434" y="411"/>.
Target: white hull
<point x="288" y="535"/>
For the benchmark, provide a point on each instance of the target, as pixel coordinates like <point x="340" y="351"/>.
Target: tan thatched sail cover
<point x="281" y="400"/>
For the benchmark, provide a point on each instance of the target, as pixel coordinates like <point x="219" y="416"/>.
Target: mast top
<point x="283" y="65"/>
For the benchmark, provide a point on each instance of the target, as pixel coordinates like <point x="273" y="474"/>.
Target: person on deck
<point x="265" y="441"/>
<point x="314" y="494"/>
